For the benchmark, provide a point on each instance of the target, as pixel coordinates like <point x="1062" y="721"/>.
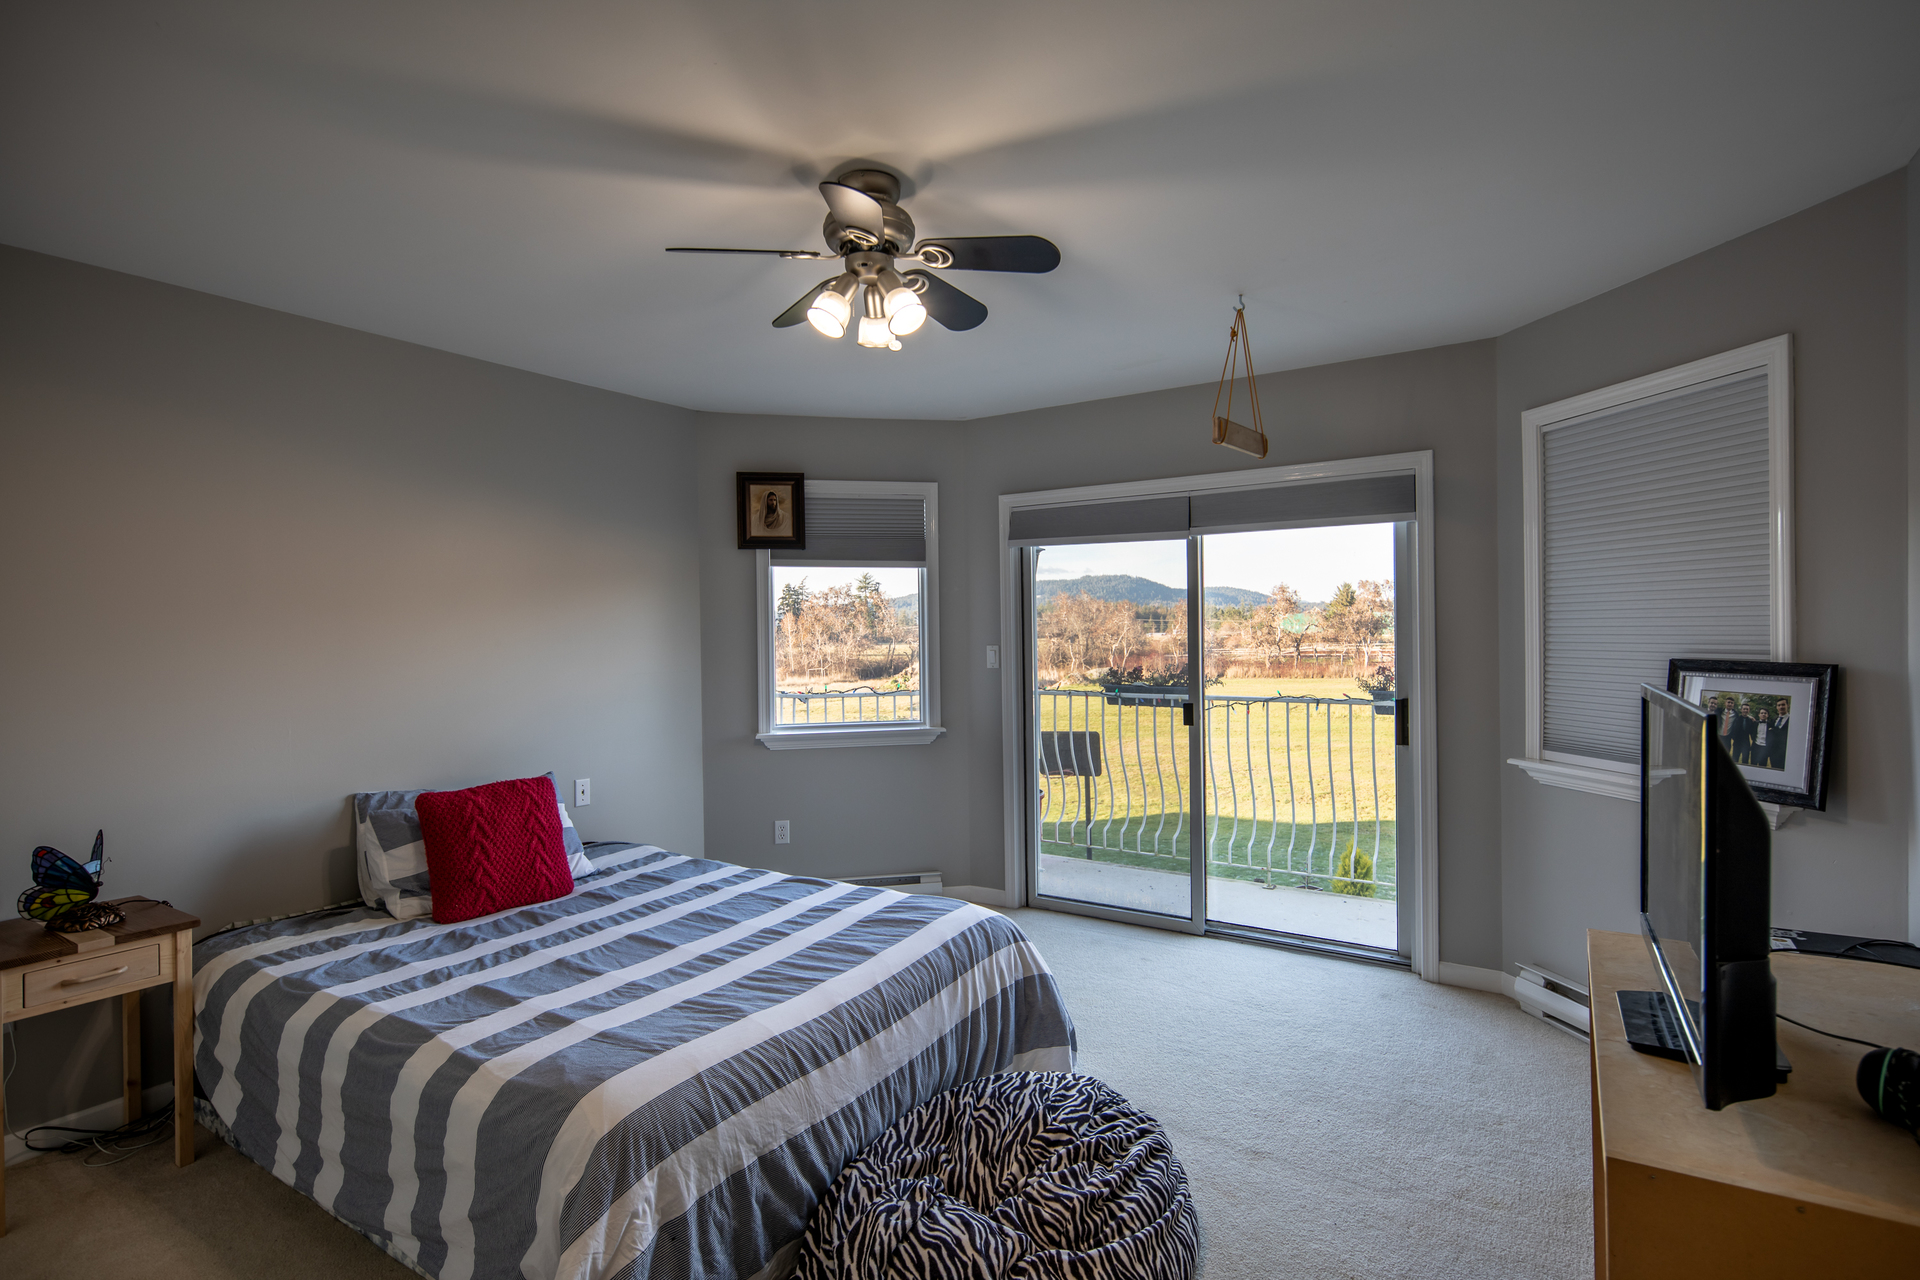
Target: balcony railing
<point x="843" y="706"/>
<point x="1299" y="790"/>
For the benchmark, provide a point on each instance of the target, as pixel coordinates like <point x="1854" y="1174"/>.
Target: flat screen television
<point x="1706" y="854"/>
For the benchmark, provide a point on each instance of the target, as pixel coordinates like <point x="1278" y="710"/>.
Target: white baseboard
<point x="1541" y="1003"/>
<point x="1466" y="975"/>
<point x="106" y="1115"/>
<point x="976" y="893"/>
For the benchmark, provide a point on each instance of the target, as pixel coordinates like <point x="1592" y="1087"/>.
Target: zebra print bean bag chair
<point x="1020" y="1176"/>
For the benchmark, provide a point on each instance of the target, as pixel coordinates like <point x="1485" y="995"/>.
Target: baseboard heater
<point x="905" y="881"/>
<point x="1557" y="1001"/>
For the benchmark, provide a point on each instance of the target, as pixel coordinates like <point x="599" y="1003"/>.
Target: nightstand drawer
<point x="95" y="973"/>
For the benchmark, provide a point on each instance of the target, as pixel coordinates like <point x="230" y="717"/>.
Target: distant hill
<point x="1125" y="586"/>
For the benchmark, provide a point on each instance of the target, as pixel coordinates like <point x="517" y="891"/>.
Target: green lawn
<point x="1341" y="780"/>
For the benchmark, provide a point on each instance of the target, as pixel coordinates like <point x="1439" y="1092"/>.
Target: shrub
<point x="1354" y="875"/>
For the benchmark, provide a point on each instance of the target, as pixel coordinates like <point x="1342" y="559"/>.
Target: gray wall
<point x="1832" y="277"/>
<point x="855" y="810"/>
<point x="939" y="807"/>
<point x="256" y="562"/>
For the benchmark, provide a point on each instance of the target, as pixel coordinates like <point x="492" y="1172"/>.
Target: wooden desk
<point x="1806" y="1183"/>
<point x="41" y="972"/>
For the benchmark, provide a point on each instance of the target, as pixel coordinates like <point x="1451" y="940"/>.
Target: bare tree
<point x="1074" y="628"/>
<point x="1269" y="631"/>
<point x="1372" y="615"/>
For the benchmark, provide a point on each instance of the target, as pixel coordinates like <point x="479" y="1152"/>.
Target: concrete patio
<point x="1315" y="913"/>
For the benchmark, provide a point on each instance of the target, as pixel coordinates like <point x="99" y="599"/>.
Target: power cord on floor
<point x="142" y="1133"/>
<point x="101" y="1142"/>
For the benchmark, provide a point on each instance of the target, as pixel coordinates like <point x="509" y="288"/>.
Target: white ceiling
<point x="499" y="178"/>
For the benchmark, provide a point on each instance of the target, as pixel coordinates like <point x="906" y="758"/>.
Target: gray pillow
<point x="393" y="858"/>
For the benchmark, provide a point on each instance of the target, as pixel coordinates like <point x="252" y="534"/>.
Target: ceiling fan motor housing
<point x="868" y="264"/>
<point x="844" y="239"/>
<point x="885" y="189"/>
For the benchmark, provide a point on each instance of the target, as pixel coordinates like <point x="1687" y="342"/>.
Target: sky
<point x="1312" y="561"/>
<point x="894" y="583"/>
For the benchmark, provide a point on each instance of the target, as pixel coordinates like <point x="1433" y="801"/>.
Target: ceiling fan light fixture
<point x="908" y="318"/>
<point x="833" y="308"/>
<point x="896" y="293"/>
<point x="874" y="332"/>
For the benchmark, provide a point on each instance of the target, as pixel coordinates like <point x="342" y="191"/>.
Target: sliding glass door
<point x="1302" y="806"/>
<point x="1112" y="754"/>
<point x="1216" y="718"/>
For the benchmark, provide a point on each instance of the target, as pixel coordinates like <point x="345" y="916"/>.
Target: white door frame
<point x="1425" y="956"/>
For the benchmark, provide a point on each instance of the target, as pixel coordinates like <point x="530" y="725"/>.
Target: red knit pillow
<point x="492" y="848"/>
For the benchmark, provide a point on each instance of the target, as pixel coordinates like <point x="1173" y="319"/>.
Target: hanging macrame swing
<point x="1226" y="431"/>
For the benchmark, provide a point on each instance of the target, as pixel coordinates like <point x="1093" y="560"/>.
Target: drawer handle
<point x="81" y="982"/>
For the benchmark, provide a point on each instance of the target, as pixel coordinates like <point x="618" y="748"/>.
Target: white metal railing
<point x="1300" y="790"/>
<point x="845" y="705"/>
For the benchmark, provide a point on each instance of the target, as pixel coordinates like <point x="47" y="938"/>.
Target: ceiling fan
<point x="872" y="235"/>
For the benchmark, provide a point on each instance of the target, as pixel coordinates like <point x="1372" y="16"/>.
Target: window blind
<point x="1655" y="523"/>
<point x="1126" y="519"/>
<point x="890" y="530"/>
<point x="1363" y="498"/>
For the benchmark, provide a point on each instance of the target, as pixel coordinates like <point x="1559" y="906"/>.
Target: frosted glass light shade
<point x="829" y="314"/>
<point x="907" y="319"/>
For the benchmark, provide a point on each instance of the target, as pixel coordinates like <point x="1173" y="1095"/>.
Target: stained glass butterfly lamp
<point x="63" y="893"/>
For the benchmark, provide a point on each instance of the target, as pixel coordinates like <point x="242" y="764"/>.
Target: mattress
<point x="657" y="1075"/>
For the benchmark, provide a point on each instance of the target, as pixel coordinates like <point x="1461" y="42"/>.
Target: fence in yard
<point x="845" y="705"/>
<point x="1300" y="790"/>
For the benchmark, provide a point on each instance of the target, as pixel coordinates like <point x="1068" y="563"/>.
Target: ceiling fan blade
<point x="952" y="308"/>
<point x="804" y="255"/>
<point x="994" y="253"/>
<point x="853" y="208"/>
<point x="797" y="313"/>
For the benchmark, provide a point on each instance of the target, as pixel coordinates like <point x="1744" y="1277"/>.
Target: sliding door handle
<point x="1186" y="714"/>
<point x="1400" y="723"/>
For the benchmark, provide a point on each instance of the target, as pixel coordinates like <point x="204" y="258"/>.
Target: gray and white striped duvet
<point x="654" y="1076"/>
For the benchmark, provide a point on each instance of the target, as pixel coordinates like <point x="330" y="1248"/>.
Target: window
<point x="1657" y="526"/>
<point x="848" y="627"/>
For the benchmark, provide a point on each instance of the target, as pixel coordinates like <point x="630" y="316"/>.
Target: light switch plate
<point x="993" y="657"/>
<point x="582" y="791"/>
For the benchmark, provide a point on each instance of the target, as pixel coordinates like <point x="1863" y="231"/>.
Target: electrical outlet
<point x="582" y="791"/>
<point x="782" y="831"/>
<point x="993" y="657"/>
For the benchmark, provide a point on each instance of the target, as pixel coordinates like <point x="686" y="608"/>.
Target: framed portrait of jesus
<point x="772" y="509"/>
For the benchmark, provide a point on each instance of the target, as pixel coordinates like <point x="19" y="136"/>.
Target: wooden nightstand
<point x="41" y="972"/>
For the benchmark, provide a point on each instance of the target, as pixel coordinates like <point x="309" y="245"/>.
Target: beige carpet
<point x="220" y="1218"/>
<point x="1336" y="1120"/>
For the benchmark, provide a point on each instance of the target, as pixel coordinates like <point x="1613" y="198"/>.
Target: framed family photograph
<point x="773" y="509"/>
<point x="1774" y="718"/>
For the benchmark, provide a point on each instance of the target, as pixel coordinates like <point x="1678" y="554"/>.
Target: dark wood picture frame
<point x="1807" y="786"/>
<point x="752" y="490"/>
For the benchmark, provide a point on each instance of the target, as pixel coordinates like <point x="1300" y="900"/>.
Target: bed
<point x="655" y="1076"/>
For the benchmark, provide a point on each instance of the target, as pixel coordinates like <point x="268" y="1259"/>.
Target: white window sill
<point x="1620" y="781"/>
<point x="801" y="739"/>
